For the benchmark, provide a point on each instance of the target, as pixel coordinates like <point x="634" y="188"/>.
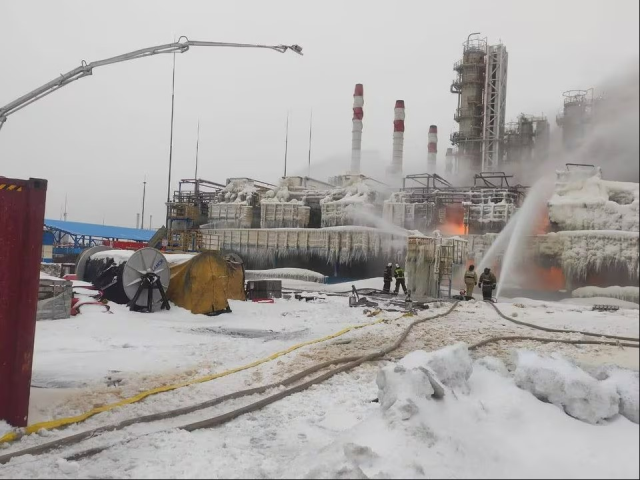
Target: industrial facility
<point x="349" y="226"/>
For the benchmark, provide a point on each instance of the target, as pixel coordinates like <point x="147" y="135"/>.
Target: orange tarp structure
<point x="205" y="283"/>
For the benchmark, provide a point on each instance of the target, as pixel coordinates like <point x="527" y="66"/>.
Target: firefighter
<point x="487" y="283"/>
<point x="399" y="276"/>
<point x="388" y="277"/>
<point x="470" y="280"/>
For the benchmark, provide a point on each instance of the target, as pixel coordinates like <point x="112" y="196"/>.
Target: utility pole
<point x="286" y="146"/>
<point x="144" y="194"/>
<point x="310" y="129"/>
<point x="195" y="186"/>
<point x="197" y="149"/>
<point x="173" y="96"/>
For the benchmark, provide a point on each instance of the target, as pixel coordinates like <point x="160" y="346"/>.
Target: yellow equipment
<point x="205" y="283"/>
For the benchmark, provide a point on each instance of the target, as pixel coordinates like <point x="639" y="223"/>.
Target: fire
<point x="453" y="229"/>
<point x="542" y="225"/>
<point x="545" y="279"/>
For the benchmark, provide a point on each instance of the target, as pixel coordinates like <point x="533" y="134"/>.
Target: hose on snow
<point x="559" y="330"/>
<point x="351" y="362"/>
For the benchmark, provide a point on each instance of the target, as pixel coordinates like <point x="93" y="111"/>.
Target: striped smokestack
<point x="398" y="138"/>
<point x="449" y="161"/>
<point x="356" y="131"/>
<point x="432" y="149"/>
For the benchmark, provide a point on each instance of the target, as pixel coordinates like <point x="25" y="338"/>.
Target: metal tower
<point x="495" y="106"/>
<point x="481" y="86"/>
<point x="469" y="86"/>
<point x="576" y="115"/>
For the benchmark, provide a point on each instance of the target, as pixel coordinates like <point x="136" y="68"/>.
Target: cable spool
<point x="146" y="278"/>
<point x="139" y="279"/>
<point x="83" y="258"/>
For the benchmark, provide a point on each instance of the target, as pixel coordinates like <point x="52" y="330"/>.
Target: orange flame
<point x="543" y="225"/>
<point x="550" y="279"/>
<point x="453" y="229"/>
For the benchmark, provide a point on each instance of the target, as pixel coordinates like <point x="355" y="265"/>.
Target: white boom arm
<point x="182" y="45"/>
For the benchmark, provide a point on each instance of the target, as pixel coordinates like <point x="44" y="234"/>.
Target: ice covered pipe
<point x="398" y="138"/>
<point x="356" y="131"/>
<point x="432" y="149"/>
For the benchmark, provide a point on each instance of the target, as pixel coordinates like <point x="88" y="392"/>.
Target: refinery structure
<point x="436" y="221"/>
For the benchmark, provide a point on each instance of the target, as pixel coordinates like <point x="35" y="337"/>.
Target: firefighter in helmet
<point x="470" y="280"/>
<point x="487" y="283"/>
<point x="387" y="278"/>
<point x="399" y="276"/>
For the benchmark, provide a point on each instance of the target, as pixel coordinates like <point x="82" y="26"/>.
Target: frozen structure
<point x="234" y="206"/>
<point x="596" y="229"/>
<point x="593" y="236"/>
<point x="429" y="202"/>
<point x="356" y="201"/>
<point x="54" y="298"/>
<point x="363" y="250"/>
<point x="595" y="204"/>
<point x="247" y="203"/>
<point x="432" y="263"/>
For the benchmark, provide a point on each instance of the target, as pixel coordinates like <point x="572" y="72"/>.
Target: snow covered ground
<point x="490" y="427"/>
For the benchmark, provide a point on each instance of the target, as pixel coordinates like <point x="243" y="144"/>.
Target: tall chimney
<point x="449" y="161"/>
<point x="137" y="220"/>
<point x="432" y="149"/>
<point x="398" y="139"/>
<point x="356" y="131"/>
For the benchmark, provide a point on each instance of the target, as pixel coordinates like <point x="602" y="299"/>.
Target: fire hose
<point x="350" y="363"/>
<point x="559" y="330"/>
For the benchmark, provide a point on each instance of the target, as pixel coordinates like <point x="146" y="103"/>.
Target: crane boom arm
<point x="85" y="69"/>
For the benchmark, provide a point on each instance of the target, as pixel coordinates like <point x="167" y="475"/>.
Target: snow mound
<point x="423" y="375"/>
<point x="627" y="384"/>
<point x="399" y="386"/>
<point x="496" y="431"/>
<point x="628" y="294"/>
<point x="557" y="381"/>
<point x="493" y="364"/>
<point x="452" y="365"/>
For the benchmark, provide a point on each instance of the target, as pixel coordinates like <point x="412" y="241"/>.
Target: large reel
<point x="84" y="257"/>
<point x="145" y="279"/>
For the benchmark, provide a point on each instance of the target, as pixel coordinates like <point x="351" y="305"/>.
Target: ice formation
<point x="581" y="252"/>
<point x="629" y="294"/>
<point x="343" y="244"/>
<point x="595" y="204"/>
<point x="557" y="381"/>
<point x="286" y="273"/>
<point x="342" y="206"/>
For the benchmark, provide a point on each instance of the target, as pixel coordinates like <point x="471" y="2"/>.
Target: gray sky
<point x="96" y="139"/>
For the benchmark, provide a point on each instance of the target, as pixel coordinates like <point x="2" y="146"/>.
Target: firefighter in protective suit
<point x="399" y="276"/>
<point x="470" y="280"/>
<point x="387" y="278"/>
<point x="487" y="283"/>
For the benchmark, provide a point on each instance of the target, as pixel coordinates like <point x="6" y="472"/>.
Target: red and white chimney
<point x="398" y="139"/>
<point x="449" y="161"/>
<point x="356" y="131"/>
<point x="432" y="155"/>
